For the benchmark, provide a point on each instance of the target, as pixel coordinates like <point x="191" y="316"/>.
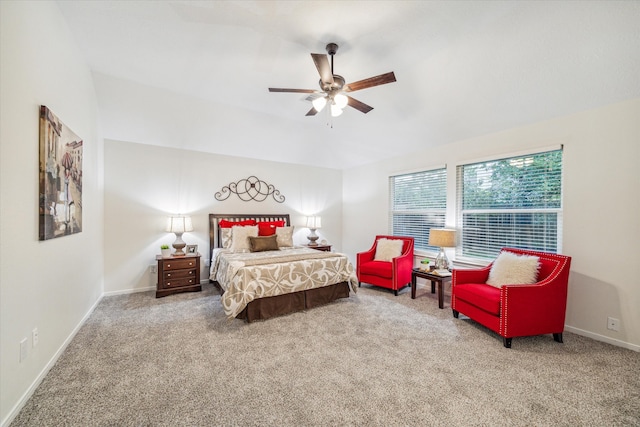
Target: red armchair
<point x="394" y="274"/>
<point x="515" y="310"/>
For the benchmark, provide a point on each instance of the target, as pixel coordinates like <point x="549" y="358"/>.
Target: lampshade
<point x="319" y="103"/>
<point x="314" y="222"/>
<point x="179" y="224"/>
<point x="442" y="237"/>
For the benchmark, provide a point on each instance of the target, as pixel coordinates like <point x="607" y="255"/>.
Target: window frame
<point x="460" y="254"/>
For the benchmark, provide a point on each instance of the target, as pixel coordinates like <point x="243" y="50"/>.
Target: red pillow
<point x="268" y="228"/>
<point x="223" y="223"/>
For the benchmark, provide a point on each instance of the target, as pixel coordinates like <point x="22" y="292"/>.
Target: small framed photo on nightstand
<point x="192" y="249"/>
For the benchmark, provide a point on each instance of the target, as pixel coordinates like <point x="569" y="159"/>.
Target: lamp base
<point x="442" y="262"/>
<point x="179" y="245"/>
<point x="312" y="237"/>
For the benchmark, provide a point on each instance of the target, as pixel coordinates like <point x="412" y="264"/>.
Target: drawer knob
<point x="168" y="265"/>
<point x="168" y="274"/>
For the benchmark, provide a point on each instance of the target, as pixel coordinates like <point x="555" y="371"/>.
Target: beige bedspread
<point x="247" y="276"/>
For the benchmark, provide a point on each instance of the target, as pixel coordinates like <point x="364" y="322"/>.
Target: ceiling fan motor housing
<point x="338" y="83"/>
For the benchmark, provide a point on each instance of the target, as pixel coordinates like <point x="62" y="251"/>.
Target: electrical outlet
<point x="23" y="350"/>
<point x="34" y="337"/>
<point x="613" y="324"/>
<point x="153" y="269"/>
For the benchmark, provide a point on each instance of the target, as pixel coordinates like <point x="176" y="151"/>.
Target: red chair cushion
<point x="376" y="268"/>
<point x="483" y="296"/>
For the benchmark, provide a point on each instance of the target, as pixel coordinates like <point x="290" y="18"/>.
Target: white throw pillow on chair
<point x="512" y="269"/>
<point x="388" y="249"/>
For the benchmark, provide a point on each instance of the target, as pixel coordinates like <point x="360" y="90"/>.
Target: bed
<point x="258" y="283"/>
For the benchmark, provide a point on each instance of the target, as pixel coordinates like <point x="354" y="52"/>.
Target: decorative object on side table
<point x="424" y="264"/>
<point x="313" y="223"/>
<point x="444" y="238"/>
<point x="179" y="225"/>
<point x="165" y="250"/>
<point x="192" y="249"/>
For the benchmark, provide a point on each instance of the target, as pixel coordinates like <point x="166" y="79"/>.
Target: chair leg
<point x="359" y="284"/>
<point x="507" y="342"/>
<point x="557" y="337"/>
<point x="456" y="313"/>
<point x="395" y="292"/>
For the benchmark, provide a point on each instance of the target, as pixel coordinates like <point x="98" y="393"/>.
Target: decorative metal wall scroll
<point x="249" y="189"/>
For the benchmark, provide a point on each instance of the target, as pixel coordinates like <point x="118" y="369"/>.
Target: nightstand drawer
<point x="177" y="264"/>
<point x="178" y="283"/>
<point x="179" y="274"/>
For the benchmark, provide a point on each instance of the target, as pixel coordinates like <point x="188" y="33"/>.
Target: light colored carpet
<point x="371" y="360"/>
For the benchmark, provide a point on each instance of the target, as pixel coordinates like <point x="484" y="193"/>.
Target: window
<point x="418" y="203"/>
<point x="515" y="202"/>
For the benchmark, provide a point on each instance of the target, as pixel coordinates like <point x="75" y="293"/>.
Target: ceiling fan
<point x="334" y="89"/>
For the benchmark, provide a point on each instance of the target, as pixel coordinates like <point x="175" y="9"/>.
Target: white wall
<point x="49" y="285"/>
<point x="144" y="184"/>
<point x="601" y="230"/>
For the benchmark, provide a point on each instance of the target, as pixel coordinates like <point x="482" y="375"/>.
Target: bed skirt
<point x="268" y="307"/>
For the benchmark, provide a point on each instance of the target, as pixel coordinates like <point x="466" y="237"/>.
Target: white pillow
<point x="240" y="238"/>
<point x="512" y="269"/>
<point x="226" y="237"/>
<point x="284" y="237"/>
<point x="387" y="249"/>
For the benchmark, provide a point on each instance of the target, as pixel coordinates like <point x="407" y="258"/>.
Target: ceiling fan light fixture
<point x="335" y="110"/>
<point x="341" y="100"/>
<point x="319" y="103"/>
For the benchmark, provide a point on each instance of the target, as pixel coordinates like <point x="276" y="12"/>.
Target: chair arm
<point x="539" y="306"/>
<point x="462" y="276"/>
<point x="366" y="256"/>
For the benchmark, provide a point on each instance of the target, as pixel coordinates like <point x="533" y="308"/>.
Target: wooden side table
<point x="325" y="248"/>
<point x="434" y="278"/>
<point x="178" y="274"/>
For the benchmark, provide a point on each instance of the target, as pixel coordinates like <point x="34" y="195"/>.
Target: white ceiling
<point x="463" y="69"/>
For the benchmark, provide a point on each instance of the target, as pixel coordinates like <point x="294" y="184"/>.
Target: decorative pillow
<point x="226" y="235"/>
<point x="240" y="238"/>
<point x="223" y="223"/>
<point x="268" y="228"/>
<point x="512" y="269"/>
<point x="284" y="236"/>
<point x="263" y="243"/>
<point x="388" y="249"/>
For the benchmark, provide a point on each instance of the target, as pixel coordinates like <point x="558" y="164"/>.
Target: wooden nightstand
<point x="325" y="248"/>
<point x="178" y="274"/>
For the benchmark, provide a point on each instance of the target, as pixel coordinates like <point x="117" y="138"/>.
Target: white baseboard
<point x="602" y="338"/>
<point x="34" y="385"/>
<point x="129" y="291"/>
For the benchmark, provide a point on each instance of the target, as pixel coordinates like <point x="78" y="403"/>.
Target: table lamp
<point x="444" y="238"/>
<point x="179" y="225"/>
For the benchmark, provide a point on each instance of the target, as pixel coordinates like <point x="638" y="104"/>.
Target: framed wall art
<point x="60" y="170"/>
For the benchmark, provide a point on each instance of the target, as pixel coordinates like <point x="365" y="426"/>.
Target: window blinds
<point x="418" y="203"/>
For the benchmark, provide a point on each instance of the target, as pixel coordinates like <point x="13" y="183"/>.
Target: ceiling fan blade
<point x="359" y="105"/>
<point x="312" y="112"/>
<point x="324" y="69"/>
<point x="277" y="89"/>
<point x="370" y="82"/>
